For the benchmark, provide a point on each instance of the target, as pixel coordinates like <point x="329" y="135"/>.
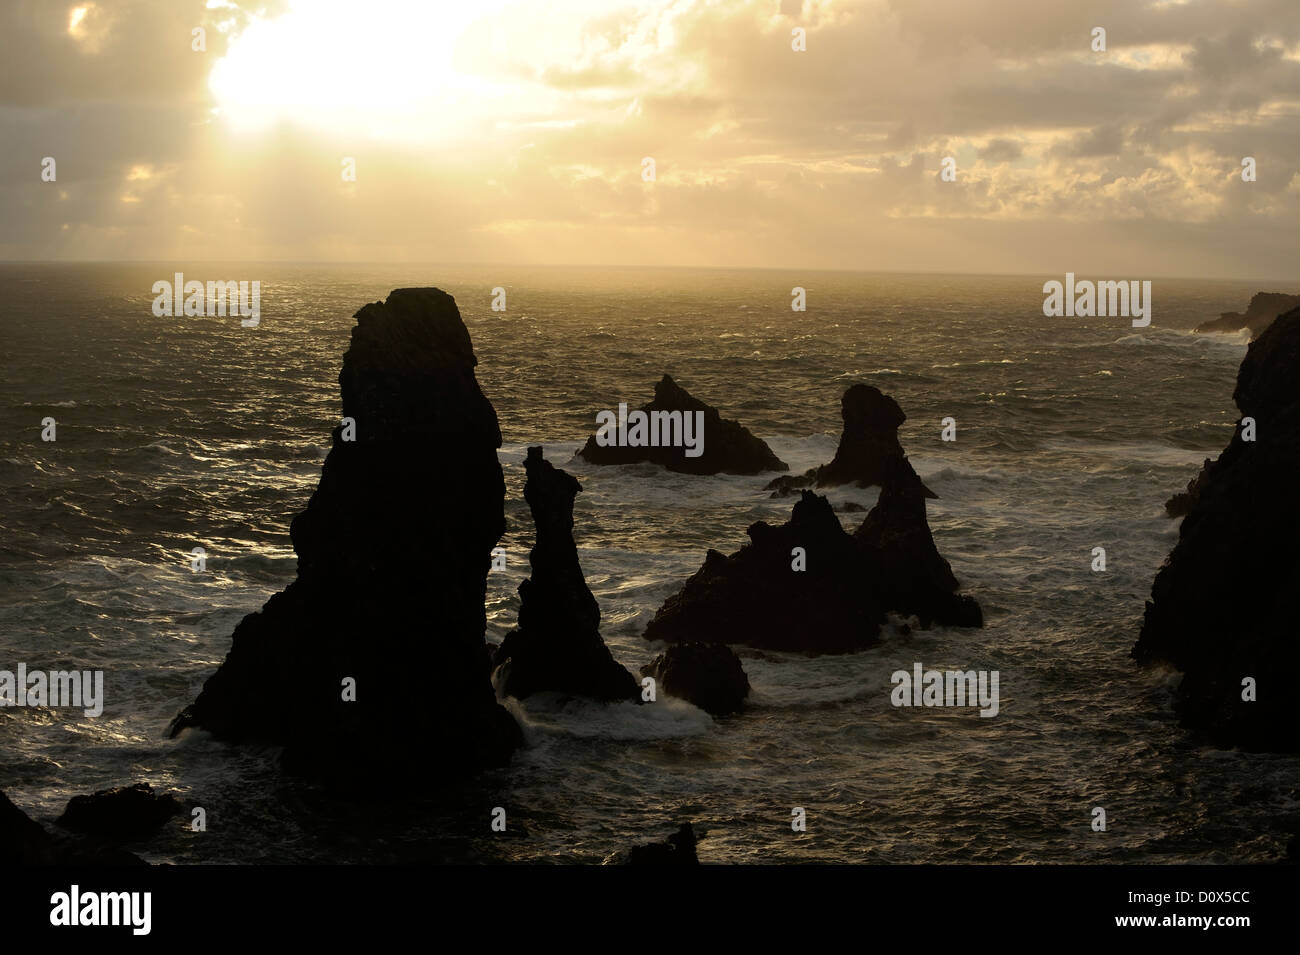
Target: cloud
<point x="95" y="51"/>
<point x="1000" y="151"/>
<point x="1105" y="140"/>
<point x="765" y="156"/>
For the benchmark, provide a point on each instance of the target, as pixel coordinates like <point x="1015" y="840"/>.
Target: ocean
<point x="175" y="433"/>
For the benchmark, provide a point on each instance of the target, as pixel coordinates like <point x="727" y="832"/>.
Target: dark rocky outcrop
<point x="708" y="675"/>
<point x="868" y="448"/>
<point x="756" y="598"/>
<point x="121" y="814"/>
<point x="1222" y="607"/>
<point x="729" y="448"/>
<point x="25" y="842"/>
<point x="677" y="849"/>
<point x="393" y="555"/>
<point x="838" y="603"/>
<point x="902" y="560"/>
<point x="557" y="644"/>
<point x="1263" y="309"/>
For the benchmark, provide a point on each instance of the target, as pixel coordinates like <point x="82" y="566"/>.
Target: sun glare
<point x="388" y="73"/>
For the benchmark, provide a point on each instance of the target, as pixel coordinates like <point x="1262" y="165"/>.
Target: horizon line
<point x="609" y="266"/>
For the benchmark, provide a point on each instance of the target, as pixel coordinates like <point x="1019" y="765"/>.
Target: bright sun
<point x="385" y="70"/>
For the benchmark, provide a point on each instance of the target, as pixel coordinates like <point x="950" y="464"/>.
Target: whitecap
<point x="553" y="714"/>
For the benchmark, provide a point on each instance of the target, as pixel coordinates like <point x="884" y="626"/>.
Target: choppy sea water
<point x="183" y="432"/>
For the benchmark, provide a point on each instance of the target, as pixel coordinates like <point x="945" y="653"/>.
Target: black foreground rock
<point x="393" y="555"/>
<point x="25" y="842"/>
<point x="120" y="814"/>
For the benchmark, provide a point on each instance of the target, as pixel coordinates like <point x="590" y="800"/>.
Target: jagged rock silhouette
<point x="809" y="586"/>
<point x="729" y="447"/>
<point x="557" y="645"/>
<point x="393" y="554"/>
<point x="868" y="450"/>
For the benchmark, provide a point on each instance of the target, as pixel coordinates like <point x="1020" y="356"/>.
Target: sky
<point x="492" y="131"/>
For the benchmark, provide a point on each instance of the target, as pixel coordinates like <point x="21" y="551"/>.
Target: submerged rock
<point x="1263" y="309"/>
<point x="1222" y="606"/>
<point x="727" y="446"/>
<point x="677" y="849"/>
<point x="122" y="814"/>
<point x="868" y="450"/>
<point x="374" y="657"/>
<point x="708" y="675"/>
<point x="557" y="644"/>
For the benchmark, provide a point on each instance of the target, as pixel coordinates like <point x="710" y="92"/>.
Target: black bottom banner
<point x="186" y="903"/>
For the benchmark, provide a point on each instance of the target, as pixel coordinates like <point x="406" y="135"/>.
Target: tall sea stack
<point x="557" y="645"/>
<point x="902" y="559"/>
<point x="1223" y="606"/>
<point x="374" y="658"/>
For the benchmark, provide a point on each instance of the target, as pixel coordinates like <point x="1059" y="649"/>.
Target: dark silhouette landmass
<point x="557" y="645"/>
<point x="1222" y="605"/>
<point x="729" y="447"/>
<point x="868" y="449"/>
<point x="393" y="554"/>
<point x="1264" y="307"/>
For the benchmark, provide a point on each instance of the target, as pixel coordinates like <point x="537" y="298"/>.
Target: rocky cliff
<point x="1220" y="607"/>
